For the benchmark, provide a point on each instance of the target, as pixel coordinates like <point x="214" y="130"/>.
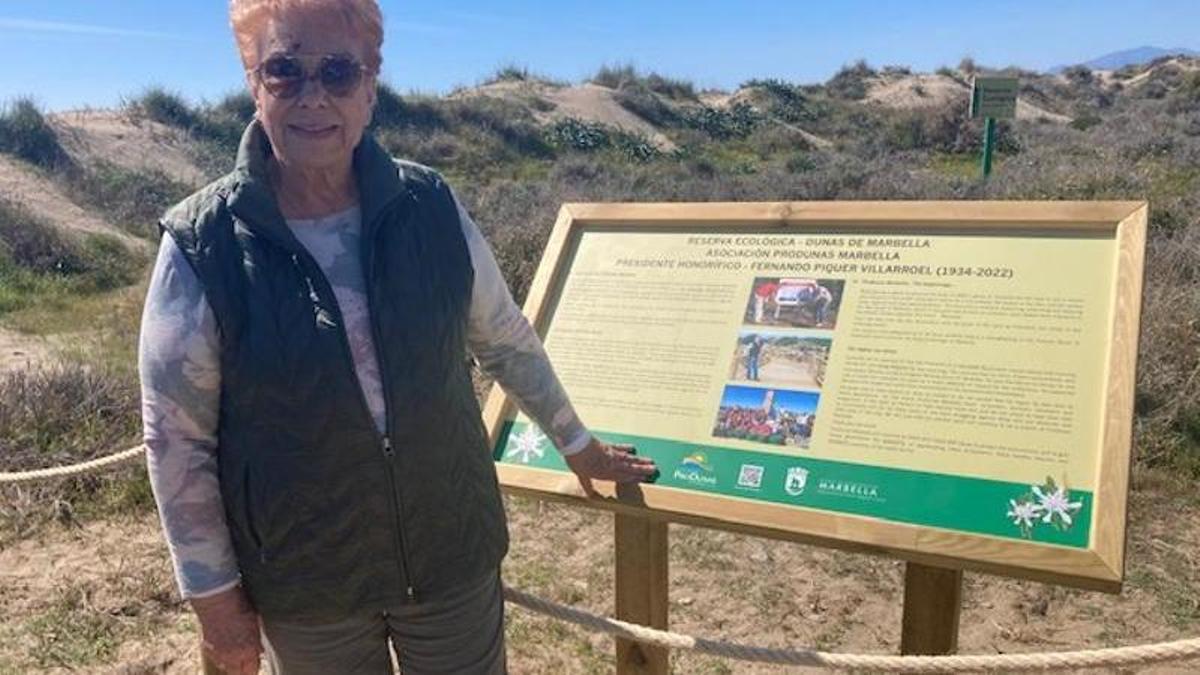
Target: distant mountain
<point x="1131" y="57"/>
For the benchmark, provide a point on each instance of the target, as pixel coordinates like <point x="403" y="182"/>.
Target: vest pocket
<point x="307" y="518"/>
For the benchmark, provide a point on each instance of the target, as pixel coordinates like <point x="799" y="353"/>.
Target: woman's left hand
<point x="602" y="461"/>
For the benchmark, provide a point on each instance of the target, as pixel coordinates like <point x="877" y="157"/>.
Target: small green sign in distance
<point x="994" y="97"/>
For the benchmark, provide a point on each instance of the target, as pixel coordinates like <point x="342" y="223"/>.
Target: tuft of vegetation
<point x="788" y="102"/>
<point x="40" y="265"/>
<point x="25" y="133"/>
<point x="737" y="121"/>
<point x="850" y="83"/>
<point x="517" y="73"/>
<point x="623" y="76"/>
<point x="510" y="73"/>
<point x="220" y="124"/>
<point x="615" y="76"/>
<point x="1085" y="122"/>
<point x="1079" y="75"/>
<point x="574" y="134"/>
<point x="131" y="199"/>
<point x="641" y="101"/>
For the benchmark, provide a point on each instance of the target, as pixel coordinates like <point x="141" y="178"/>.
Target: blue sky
<point x="69" y="53"/>
<point x="791" y="401"/>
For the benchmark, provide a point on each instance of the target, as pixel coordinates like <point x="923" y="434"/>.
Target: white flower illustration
<point x="1054" y="501"/>
<point x="527" y="446"/>
<point x="1023" y="513"/>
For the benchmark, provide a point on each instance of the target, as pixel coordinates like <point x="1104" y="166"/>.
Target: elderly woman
<point x="315" y="446"/>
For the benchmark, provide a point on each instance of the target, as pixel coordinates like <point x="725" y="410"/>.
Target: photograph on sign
<point x="950" y="379"/>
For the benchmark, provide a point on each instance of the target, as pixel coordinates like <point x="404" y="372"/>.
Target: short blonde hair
<point x="361" y="16"/>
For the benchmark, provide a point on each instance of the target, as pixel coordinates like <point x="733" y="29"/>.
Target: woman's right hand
<point x="229" y="630"/>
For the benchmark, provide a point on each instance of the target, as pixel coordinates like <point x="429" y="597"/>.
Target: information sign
<point x="994" y="97"/>
<point x="949" y="383"/>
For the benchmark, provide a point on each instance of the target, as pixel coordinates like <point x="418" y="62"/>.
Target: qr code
<point x="750" y="476"/>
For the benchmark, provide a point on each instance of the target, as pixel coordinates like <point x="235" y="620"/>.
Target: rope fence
<point x="89" y="466"/>
<point x="1118" y="657"/>
<point x="1092" y="658"/>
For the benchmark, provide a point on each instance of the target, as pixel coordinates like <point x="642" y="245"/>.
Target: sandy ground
<point x="45" y="199"/>
<point x="938" y="91"/>
<point x="916" y="91"/>
<point x="136" y="144"/>
<point x="1184" y="64"/>
<point x="588" y="102"/>
<point x="723" y="586"/>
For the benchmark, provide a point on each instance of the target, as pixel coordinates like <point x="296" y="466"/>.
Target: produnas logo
<point x="695" y="469"/>
<point x="796" y="480"/>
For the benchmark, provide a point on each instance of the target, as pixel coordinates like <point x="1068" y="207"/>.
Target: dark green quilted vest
<point x="328" y="516"/>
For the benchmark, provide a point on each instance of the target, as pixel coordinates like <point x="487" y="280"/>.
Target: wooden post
<point x="641" y="551"/>
<point x="932" y="604"/>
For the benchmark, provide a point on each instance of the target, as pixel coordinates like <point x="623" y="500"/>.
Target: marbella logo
<point x="695" y="469"/>
<point x="852" y="489"/>
<point x="797" y="479"/>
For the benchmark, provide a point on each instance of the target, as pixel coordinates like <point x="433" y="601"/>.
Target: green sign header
<point x="1046" y="513"/>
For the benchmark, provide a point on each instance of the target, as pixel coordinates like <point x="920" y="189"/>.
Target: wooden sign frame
<point x="1098" y="567"/>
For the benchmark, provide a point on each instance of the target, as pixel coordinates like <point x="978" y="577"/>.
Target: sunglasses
<point x="284" y="75"/>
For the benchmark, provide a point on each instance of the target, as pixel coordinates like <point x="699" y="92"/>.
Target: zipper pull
<point x="412" y="595"/>
<point x="387" y="448"/>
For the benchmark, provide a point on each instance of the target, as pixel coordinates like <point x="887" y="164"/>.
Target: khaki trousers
<point x="459" y="634"/>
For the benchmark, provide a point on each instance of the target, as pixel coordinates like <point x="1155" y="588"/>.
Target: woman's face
<point x="314" y="129"/>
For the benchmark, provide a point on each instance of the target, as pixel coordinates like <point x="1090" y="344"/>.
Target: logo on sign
<point x="796" y="479"/>
<point x="527" y="446"/>
<point x="750" y="476"/>
<point x="695" y="469"/>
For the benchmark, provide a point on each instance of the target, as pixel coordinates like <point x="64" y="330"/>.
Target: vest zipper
<point x="385" y="441"/>
<point x="368" y="268"/>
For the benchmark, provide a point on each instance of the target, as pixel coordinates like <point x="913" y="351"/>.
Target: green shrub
<point x="800" y="163"/>
<point x="1079" y="75"/>
<point x="41" y="264"/>
<point x="1186" y="97"/>
<point x="576" y="134"/>
<point x="166" y="108"/>
<point x="506" y="120"/>
<point x="509" y="73"/>
<point x="224" y="122"/>
<point x="636" y="147"/>
<point x="644" y="103"/>
<point x="131" y="199"/>
<point x="738" y="121"/>
<point x="850" y="82"/>
<point x="615" y="76"/>
<point x="676" y="90"/>
<point x="622" y="76"/>
<point x="393" y="111"/>
<point x="220" y="125"/>
<point x="788" y="101"/>
<point x="1085" y="122"/>
<point x="25" y="133"/>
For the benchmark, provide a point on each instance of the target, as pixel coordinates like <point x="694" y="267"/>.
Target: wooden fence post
<point x="641" y="555"/>
<point x="932" y="605"/>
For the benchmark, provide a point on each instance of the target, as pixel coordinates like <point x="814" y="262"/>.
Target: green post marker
<point x="989" y="139"/>
<point x="992" y="98"/>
